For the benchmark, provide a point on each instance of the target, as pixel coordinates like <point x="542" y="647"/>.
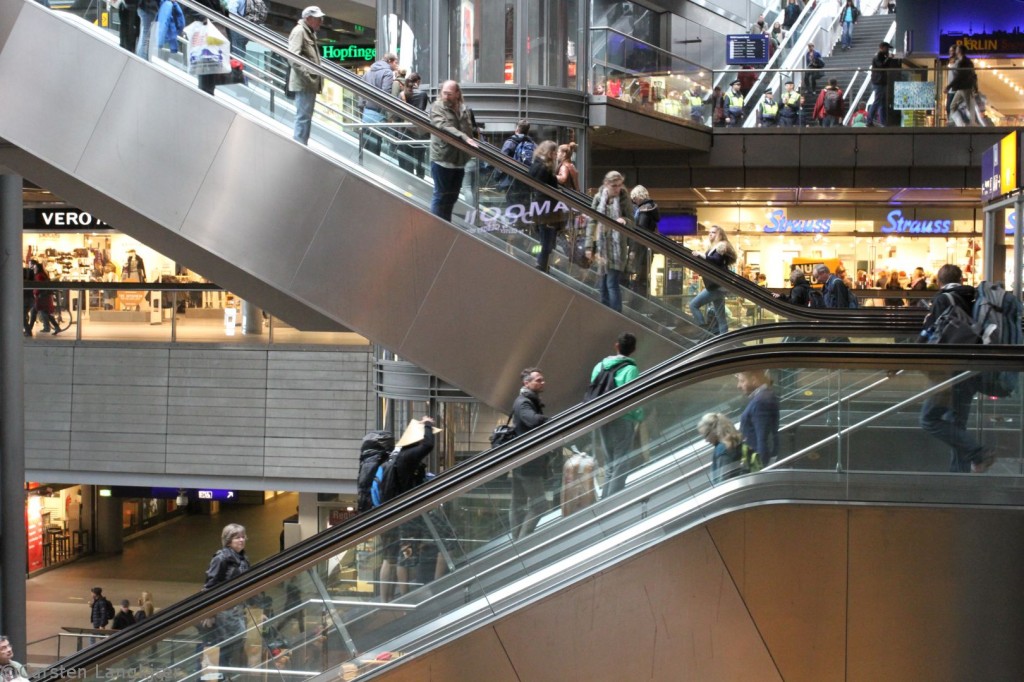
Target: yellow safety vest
<point x="733" y="100"/>
<point x="693" y="99"/>
<point x="769" y="109"/>
<point x="790" y="98"/>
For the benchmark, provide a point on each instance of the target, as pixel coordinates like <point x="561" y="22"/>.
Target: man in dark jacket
<point x="529" y="500"/>
<point x="759" y="422"/>
<point x="102" y="609"/>
<point x="880" y="77"/>
<point x="124" y="617"/>
<point x="945" y="414"/>
<point x="834" y="290"/>
<point x="380" y="75"/>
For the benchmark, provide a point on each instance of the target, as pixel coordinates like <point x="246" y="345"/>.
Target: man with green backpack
<point x="618" y="437"/>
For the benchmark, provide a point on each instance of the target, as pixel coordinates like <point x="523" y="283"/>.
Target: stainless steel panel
<point x="475" y="657"/>
<point x="47" y="109"/>
<point x="485" y="318"/>
<point x="803" y="621"/>
<point x="147" y="149"/>
<point x="8" y="15"/>
<point x="671" y="613"/>
<point x="373" y="262"/>
<point x="829" y="149"/>
<point x="936" y="595"/>
<point x="262" y="202"/>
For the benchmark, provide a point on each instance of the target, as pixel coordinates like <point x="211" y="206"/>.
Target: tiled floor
<point x="169" y="563"/>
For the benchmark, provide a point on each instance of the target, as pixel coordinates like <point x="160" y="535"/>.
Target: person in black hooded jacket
<point x="646" y="216"/>
<point x="945" y="414"/>
<point x="376" y="447"/>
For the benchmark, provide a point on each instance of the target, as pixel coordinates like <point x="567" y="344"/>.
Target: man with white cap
<point x="305" y="83"/>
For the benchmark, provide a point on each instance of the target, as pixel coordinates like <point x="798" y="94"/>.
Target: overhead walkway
<point x="331" y="235"/>
<point x="848" y="540"/>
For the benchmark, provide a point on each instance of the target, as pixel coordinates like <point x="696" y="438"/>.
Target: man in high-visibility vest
<point x="792" y="103"/>
<point x="768" y="111"/>
<point x="695" y="98"/>
<point x="734" y="106"/>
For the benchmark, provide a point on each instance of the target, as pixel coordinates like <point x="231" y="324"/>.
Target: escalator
<point x="329" y="236"/>
<point x="722" y="579"/>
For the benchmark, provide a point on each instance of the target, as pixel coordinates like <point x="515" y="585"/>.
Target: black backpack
<point x="954" y="325"/>
<point x="815" y="299"/>
<point x="605" y="380"/>
<point x="376" y="447"/>
<point x="108" y="609"/>
<point x="385" y="481"/>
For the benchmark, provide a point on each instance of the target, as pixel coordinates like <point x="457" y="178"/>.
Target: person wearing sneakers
<point x="945" y="414"/>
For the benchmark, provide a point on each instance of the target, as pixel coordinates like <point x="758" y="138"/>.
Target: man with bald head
<point x="448" y="162"/>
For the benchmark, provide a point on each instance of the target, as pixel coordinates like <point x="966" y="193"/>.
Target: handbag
<point x="503" y="433"/>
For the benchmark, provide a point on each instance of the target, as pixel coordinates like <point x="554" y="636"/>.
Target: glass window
<point x="552" y="40"/>
<point x="629" y="18"/>
<point x="407" y="34"/>
<point x="482" y="43"/>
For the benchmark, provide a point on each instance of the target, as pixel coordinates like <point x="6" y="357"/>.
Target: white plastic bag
<point x="209" y="52"/>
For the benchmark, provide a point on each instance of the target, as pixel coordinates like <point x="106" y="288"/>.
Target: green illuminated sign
<point x="348" y="52"/>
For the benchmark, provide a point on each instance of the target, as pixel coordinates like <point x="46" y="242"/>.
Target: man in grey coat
<point x="303" y="82"/>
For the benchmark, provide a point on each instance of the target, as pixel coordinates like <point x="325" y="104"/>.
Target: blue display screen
<point x="677" y="224"/>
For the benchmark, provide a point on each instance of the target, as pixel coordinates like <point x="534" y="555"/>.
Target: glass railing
<point x="911" y="97"/>
<point x="162" y="313"/>
<point x="522" y="220"/>
<point x="599" y="483"/>
<point x="647" y="78"/>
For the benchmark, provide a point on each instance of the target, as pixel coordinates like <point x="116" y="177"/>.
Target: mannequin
<point x="134" y="269"/>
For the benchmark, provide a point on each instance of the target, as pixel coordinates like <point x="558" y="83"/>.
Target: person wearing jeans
<point x="147" y="17"/>
<point x="448" y="162"/>
<point x="304" y="83"/>
<point x="607" y="247"/>
<point x="721" y="253"/>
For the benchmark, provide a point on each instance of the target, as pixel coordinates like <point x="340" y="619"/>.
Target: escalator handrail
<point x="576" y="201"/>
<point x="500" y="460"/>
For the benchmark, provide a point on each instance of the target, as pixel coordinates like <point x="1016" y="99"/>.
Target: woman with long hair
<point x="894" y="284"/>
<point x="412" y="158"/>
<point x="720" y="432"/>
<point x="543" y="170"/>
<point x="722" y="254"/>
<point x="606" y="246"/>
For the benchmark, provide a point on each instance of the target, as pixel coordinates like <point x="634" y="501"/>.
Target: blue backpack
<point x="385" y="481"/>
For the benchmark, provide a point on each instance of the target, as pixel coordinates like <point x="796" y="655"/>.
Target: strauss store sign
<point x="894" y="223"/>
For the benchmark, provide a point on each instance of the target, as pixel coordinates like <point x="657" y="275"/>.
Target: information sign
<point x="743" y="49"/>
<point x="1000" y="168"/>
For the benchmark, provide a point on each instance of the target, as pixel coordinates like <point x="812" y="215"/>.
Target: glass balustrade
<point x="913" y="96"/>
<point x="589" y="491"/>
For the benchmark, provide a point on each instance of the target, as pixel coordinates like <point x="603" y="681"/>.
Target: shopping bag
<point x="209" y="52"/>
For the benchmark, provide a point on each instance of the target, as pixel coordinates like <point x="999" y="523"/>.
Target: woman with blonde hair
<point x="543" y="170"/>
<point x="721" y="253"/>
<point x="728" y="458"/>
<point x="145" y="607"/>
<point x="606" y="246"/>
<point x="646" y="215"/>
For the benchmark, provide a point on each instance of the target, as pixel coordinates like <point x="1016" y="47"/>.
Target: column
<point x="252" y="318"/>
<point x="13" y="541"/>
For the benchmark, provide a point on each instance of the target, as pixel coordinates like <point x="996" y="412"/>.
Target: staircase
<point x="843" y="64"/>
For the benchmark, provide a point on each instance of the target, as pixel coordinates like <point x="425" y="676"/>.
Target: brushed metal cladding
<point x="828" y="149"/>
<point x="147" y="149"/>
<point x="880" y="150"/>
<point x="509" y="311"/>
<point x="802" y="622"/>
<point x="45" y="111"/>
<point x="929" y="150"/>
<point x="671" y="613"/>
<point x="262" y="202"/>
<point x="478" y="655"/>
<point x="373" y="262"/>
<point x="768" y="150"/>
<point x="936" y="595"/>
<point x="8" y="16"/>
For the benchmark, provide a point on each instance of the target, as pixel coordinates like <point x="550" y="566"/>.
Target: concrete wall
<point x="272" y="418"/>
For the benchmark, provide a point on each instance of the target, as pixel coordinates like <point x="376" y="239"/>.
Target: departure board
<point x="746" y="49"/>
